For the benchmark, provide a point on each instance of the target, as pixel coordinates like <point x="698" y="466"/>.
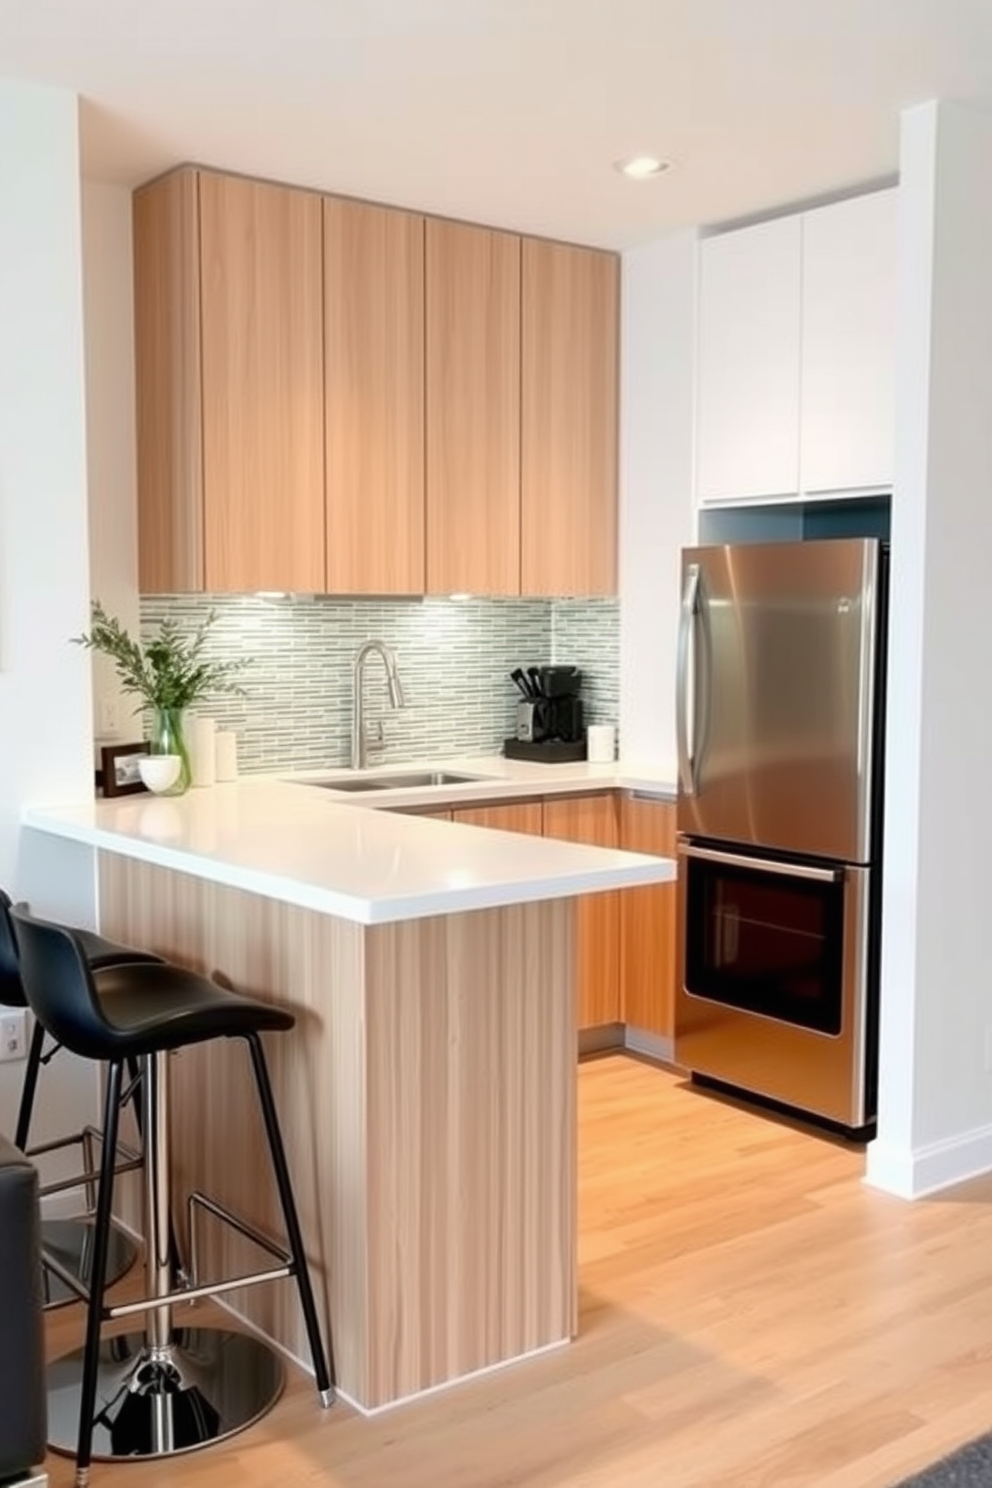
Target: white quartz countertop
<point x="289" y="839"/>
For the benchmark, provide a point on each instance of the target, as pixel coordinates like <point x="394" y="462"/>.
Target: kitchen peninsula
<point x="428" y="1091"/>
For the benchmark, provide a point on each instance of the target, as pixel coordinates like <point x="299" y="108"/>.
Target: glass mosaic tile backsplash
<point x="454" y="659"/>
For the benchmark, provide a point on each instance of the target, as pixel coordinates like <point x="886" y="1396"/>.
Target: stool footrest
<point x="197" y="1201"/>
<point x="128" y="1161"/>
<point x="194" y="1293"/>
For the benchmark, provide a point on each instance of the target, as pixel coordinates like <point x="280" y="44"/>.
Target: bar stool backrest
<point x="11" y="988"/>
<point x="58" y="985"/>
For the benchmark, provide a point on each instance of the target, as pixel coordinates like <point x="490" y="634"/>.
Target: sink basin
<point x="408" y="780"/>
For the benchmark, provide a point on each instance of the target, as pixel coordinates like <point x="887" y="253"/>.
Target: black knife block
<point x="553" y="752"/>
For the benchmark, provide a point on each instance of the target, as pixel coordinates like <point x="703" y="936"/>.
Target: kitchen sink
<point x="409" y="780"/>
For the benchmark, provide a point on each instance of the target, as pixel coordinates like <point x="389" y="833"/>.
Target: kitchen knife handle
<point x="687" y="616"/>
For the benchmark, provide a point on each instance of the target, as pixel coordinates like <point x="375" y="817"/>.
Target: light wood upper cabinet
<point x="747" y="414"/>
<point x="647" y="921"/>
<point x="473" y="409"/>
<point x="374" y="398"/>
<point x="513" y="816"/>
<point x="262" y="347"/>
<point x="339" y="397"/>
<point x="592" y="819"/>
<point x="229" y="373"/>
<point x="848" y="344"/>
<point x="166" y="226"/>
<point x="570" y="313"/>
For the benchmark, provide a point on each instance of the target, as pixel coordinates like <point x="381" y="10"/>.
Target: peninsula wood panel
<point x="374" y="398"/>
<point x="570" y="319"/>
<point x="263" y="388"/>
<point x="647" y="921"/>
<point x="471" y="1142"/>
<point x="592" y="819"/>
<point x="165" y="222"/>
<point x="512" y="816"/>
<point x="427" y="1099"/>
<point x="473" y="409"/>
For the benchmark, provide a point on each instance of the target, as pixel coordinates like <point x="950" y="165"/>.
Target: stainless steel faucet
<point x="361" y="745"/>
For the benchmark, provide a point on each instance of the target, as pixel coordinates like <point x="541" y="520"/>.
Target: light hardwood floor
<point x="751" y="1316"/>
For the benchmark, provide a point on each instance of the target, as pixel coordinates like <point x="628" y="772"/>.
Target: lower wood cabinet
<point x="626" y="949"/>
<point x="510" y="816"/>
<point x="592" y="819"/>
<point x="647" y="919"/>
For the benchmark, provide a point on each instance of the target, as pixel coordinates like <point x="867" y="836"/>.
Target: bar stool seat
<point x="170" y="1390"/>
<point x="67" y="1241"/>
<point x="165" y="1007"/>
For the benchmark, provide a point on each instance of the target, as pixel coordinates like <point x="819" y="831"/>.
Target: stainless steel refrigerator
<point x="780" y="718"/>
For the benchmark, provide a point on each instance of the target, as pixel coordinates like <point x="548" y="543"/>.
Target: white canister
<point x="227" y="756"/>
<point x="601" y="743"/>
<point x="203" y="750"/>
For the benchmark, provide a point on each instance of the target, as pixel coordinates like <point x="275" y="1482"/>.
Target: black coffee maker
<point x="560" y="690"/>
<point x="549" y="718"/>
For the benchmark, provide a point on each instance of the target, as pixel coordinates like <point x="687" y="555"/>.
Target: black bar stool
<point x="168" y="1390"/>
<point x="68" y="1242"/>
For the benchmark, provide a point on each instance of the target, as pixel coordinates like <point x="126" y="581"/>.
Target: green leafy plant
<point x="169" y="671"/>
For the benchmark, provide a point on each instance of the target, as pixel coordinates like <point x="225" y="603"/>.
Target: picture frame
<point x="119" y="768"/>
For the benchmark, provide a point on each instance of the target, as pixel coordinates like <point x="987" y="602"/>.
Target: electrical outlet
<point x="13" y="1035"/>
<point x="110" y="716"/>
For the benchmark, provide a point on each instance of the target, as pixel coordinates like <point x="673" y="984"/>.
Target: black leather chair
<point x="67" y="1242"/>
<point x="170" y="1389"/>
<point x="22" y="1377"/>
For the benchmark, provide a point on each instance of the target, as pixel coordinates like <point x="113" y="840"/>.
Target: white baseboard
<point x="912" y="1172"/>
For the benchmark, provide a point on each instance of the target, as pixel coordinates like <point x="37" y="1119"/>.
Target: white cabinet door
<point x="747" y="429"/>
<point x="848" y="344"/>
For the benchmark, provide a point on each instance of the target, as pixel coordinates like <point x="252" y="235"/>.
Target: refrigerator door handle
<point x="687" y="615"/>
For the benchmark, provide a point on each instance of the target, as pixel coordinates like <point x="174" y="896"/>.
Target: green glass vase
<point x="168" y="736"/>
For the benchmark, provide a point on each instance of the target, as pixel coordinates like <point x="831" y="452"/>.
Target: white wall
<point x="656" y="512"/>
<point x="935" y="1098"/>
<point x="44" y="590"/>
<point x="110" y="434"/>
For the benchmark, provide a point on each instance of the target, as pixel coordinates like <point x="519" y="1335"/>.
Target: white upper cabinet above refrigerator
<point x="848" y="344"/>
<point x="747" y="395"/>
<point x="796" y="355"/>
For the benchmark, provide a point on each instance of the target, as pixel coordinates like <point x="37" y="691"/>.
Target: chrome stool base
<point x="206" y="1385"/>
<point x="70" y="1241"/>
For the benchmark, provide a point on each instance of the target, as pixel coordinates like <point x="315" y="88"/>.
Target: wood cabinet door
<point x="165" y="219"/>
<point x="849" y="344"/>
<point x="511" y="816"/>
<point x="263" y="390"/>
<point x="473" y="409"/>
<point x="374" y="398"/>
<point x="647" y="922"/>
<point x="568" y="486"/>
<point x="592" y="819"/>
<point x="747" y="414"/>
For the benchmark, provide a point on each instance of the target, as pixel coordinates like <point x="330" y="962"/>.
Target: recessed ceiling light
<point x="641" y="167"/>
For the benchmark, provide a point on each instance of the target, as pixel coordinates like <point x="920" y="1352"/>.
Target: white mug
<point x="203" y="750"/>
<point x="226" y="745"/>
<point x="601" y="743"/>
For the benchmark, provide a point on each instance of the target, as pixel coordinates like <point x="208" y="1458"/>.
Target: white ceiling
<point x="509" y="111"/>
